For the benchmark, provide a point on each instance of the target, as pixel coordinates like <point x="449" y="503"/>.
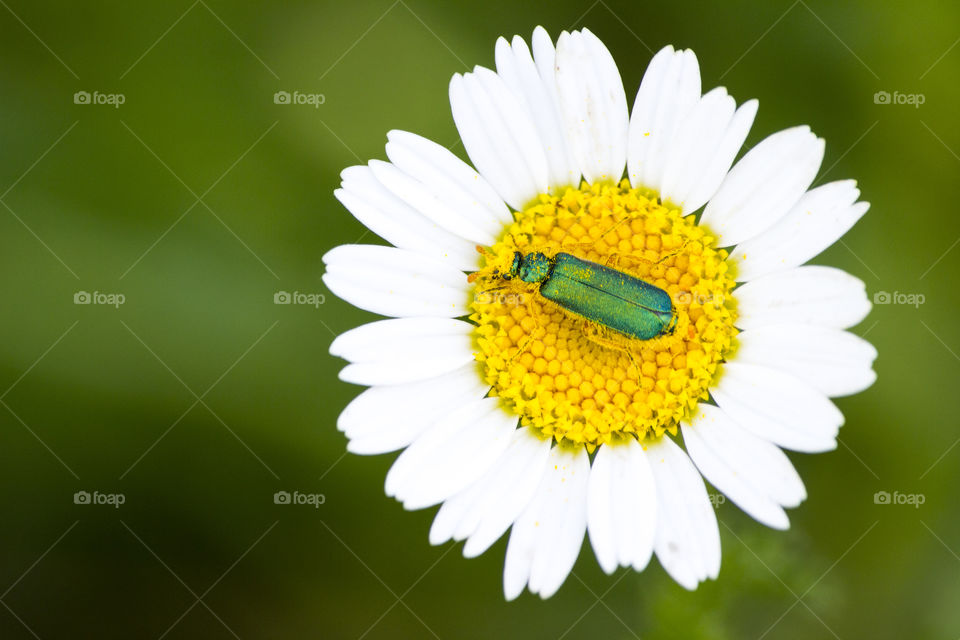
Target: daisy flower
<point x="516" y="409"/>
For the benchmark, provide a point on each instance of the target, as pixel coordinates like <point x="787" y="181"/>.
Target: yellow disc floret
<point x="581" y="382"/>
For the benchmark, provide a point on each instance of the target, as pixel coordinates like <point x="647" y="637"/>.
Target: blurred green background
<point x="198" y="398"/>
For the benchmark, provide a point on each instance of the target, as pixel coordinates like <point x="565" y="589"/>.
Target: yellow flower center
<point x="576" y="380"/>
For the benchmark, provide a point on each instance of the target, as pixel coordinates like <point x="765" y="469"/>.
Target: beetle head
<point x="514" y="269"/>
<point x="534" y="267"/>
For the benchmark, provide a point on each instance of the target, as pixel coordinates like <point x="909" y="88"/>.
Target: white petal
<point x="823" y="296"/>
<point x="399" y="224"/>
<point x="483" y="512"/>
<point x="687" y="541"/>
<point x="764" y="185"/>
<point x="467" y="201"/>
<point x="465" y="176"/>
<point x="452" y="454"/>
<point x="694" y="142"/>
<point x="593" y="105"/>
<point x="533" y="83"/>
<point x="499" y="136"/>
<point x="668" y="93"/>
<point x="778" y="407"/>
<point x="425" y="189"/>
<point x="836" y="363"/>
<point x="703" y="149"/>
<point x="383" y="419"/>
<point x="756" y="463"/>
<point x="403" y="350"/>
<point x="725" y="462"/>
<point x="818" y="220"/>
<point x="621" y="506"/>
<point x="396" y="282"/>
<point x="700" y="187"/>
<point x="546" y="539"/>
<point x="502" y="511"/>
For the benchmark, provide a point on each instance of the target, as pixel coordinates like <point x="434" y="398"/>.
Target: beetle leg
<point x="636" y="366"/>
<point x="537" y="312"/>
<point x="613" y="260"/>
<point x="595" y="333"/>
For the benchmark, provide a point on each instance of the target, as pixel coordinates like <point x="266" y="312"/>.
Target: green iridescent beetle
<point x="600" y="294"/>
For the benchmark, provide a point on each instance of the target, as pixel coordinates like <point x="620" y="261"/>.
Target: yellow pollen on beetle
<point x="579" y="382"/>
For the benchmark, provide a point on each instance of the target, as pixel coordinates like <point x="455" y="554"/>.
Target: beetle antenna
<point x="497" y="288"/>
